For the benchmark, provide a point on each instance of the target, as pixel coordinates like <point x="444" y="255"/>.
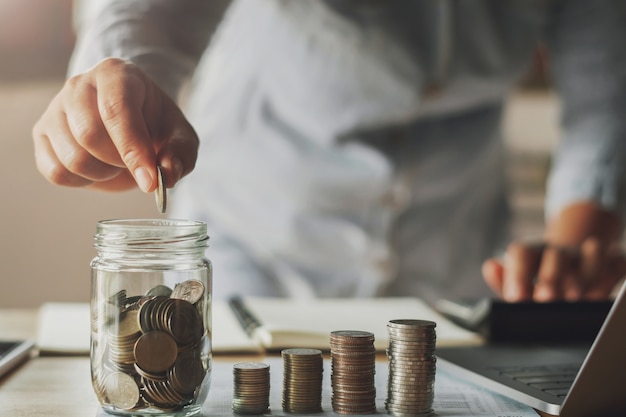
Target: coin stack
<point x="353" y="361"/>
<point x="302" y="380"/>
<point x="412" y="366"/>
<point x="149" y="348"/>
<point x="251" y="393"/>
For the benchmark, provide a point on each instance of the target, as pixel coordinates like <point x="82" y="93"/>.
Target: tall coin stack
<point x="251" y="394"/>
<point x="302" y="380"/>
<point x="412" y="366"/>
<point x="353" y="361"/>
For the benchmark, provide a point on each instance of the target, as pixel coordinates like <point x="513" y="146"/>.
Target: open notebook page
<point x="308" y="323"/>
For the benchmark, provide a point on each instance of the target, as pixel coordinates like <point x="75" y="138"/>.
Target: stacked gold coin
<point x="251" y="393"/>
<point x="150" y="348"/>
<point x="178" y="318"/>
<point x="121" y="341"/>
<point x="412" y="366"/>
<point x="302" y="380"/>
<point x="353" y="362"/>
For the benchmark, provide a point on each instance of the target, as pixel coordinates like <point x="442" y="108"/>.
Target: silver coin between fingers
<point x="160" y="193"/>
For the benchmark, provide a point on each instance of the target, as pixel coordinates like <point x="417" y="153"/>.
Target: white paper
<point x="64" y="328"/>
<point x="287" y="322"/>
<point x="228" y="335"/>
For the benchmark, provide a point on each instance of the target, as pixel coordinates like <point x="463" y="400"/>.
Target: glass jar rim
<point x="150" y="223"/>
<point x="146" y="234"/>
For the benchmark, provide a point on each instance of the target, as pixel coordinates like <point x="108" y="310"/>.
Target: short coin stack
<point x="150" y="349"/>
<point x="251" y="390"/>
<point x="353" y="361"/>
<point x="302" y="380"/>
<point x="412" y="366"/>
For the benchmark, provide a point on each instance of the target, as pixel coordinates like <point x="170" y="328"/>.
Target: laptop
<point x="571" y="380"/>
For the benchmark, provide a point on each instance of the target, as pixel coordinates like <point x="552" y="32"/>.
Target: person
<point x="340" y="148"/>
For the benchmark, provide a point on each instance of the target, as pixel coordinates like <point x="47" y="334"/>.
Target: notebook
<point x="277" y="323"/>
<point x="254" y="325"/>
<point x="569" y="380"/>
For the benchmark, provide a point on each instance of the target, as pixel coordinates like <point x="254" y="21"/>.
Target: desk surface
<point x="44" y="386"/>
<point x="47" y="386"/>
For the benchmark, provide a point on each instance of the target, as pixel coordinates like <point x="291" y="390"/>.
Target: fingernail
<point x="542" y="295"/>
<point x="144" y="179"/>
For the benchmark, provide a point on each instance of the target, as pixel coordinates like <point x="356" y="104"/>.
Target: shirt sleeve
<point x="164" y="37"/>
<point x="587" y="49"/>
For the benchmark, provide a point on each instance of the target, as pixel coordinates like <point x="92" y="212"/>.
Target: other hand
<point x="579" y="259"/>
<point x="543" y="272"/>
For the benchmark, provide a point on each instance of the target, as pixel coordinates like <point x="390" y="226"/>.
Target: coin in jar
<point x="159" y="290"/>
<point x="191" y="290"/>
<point x="122" y="390"/>
<point x="187" y="372"/>
<point x="155" y="351"/>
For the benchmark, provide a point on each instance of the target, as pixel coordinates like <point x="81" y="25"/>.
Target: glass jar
<point x="151" y="317"/>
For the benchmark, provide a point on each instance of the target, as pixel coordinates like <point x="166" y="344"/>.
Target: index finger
<point x="555" y="270"/>
<point x="120" y="103"/>
<point x="521" y="262"/>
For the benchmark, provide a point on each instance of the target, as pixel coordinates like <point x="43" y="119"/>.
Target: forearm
<point x="165" y="38"/>
<point x="588" y="61"/>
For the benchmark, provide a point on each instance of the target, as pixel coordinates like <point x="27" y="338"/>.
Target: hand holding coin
<point x="125" y="157"/>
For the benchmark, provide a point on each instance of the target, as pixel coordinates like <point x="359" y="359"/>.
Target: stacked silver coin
<point x="251" y="393"/>
<point x="412" y="366"/>
<point x="353" y="362"/>
<point x="302" y="380"/>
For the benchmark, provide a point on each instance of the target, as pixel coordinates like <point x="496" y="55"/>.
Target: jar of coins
<point x="151" y="317"/>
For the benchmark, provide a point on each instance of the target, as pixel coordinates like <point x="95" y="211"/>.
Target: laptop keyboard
<point x="555" y="380"/>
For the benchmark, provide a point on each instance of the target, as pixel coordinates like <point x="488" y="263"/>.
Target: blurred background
<point x="46" y="231"/>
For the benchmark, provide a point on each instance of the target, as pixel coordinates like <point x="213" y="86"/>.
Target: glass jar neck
<point x="153" y="237"/>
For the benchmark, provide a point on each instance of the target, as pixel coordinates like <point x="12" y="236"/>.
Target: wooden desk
<point x="44" y="386"/>
<point x="47" y="386"/>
